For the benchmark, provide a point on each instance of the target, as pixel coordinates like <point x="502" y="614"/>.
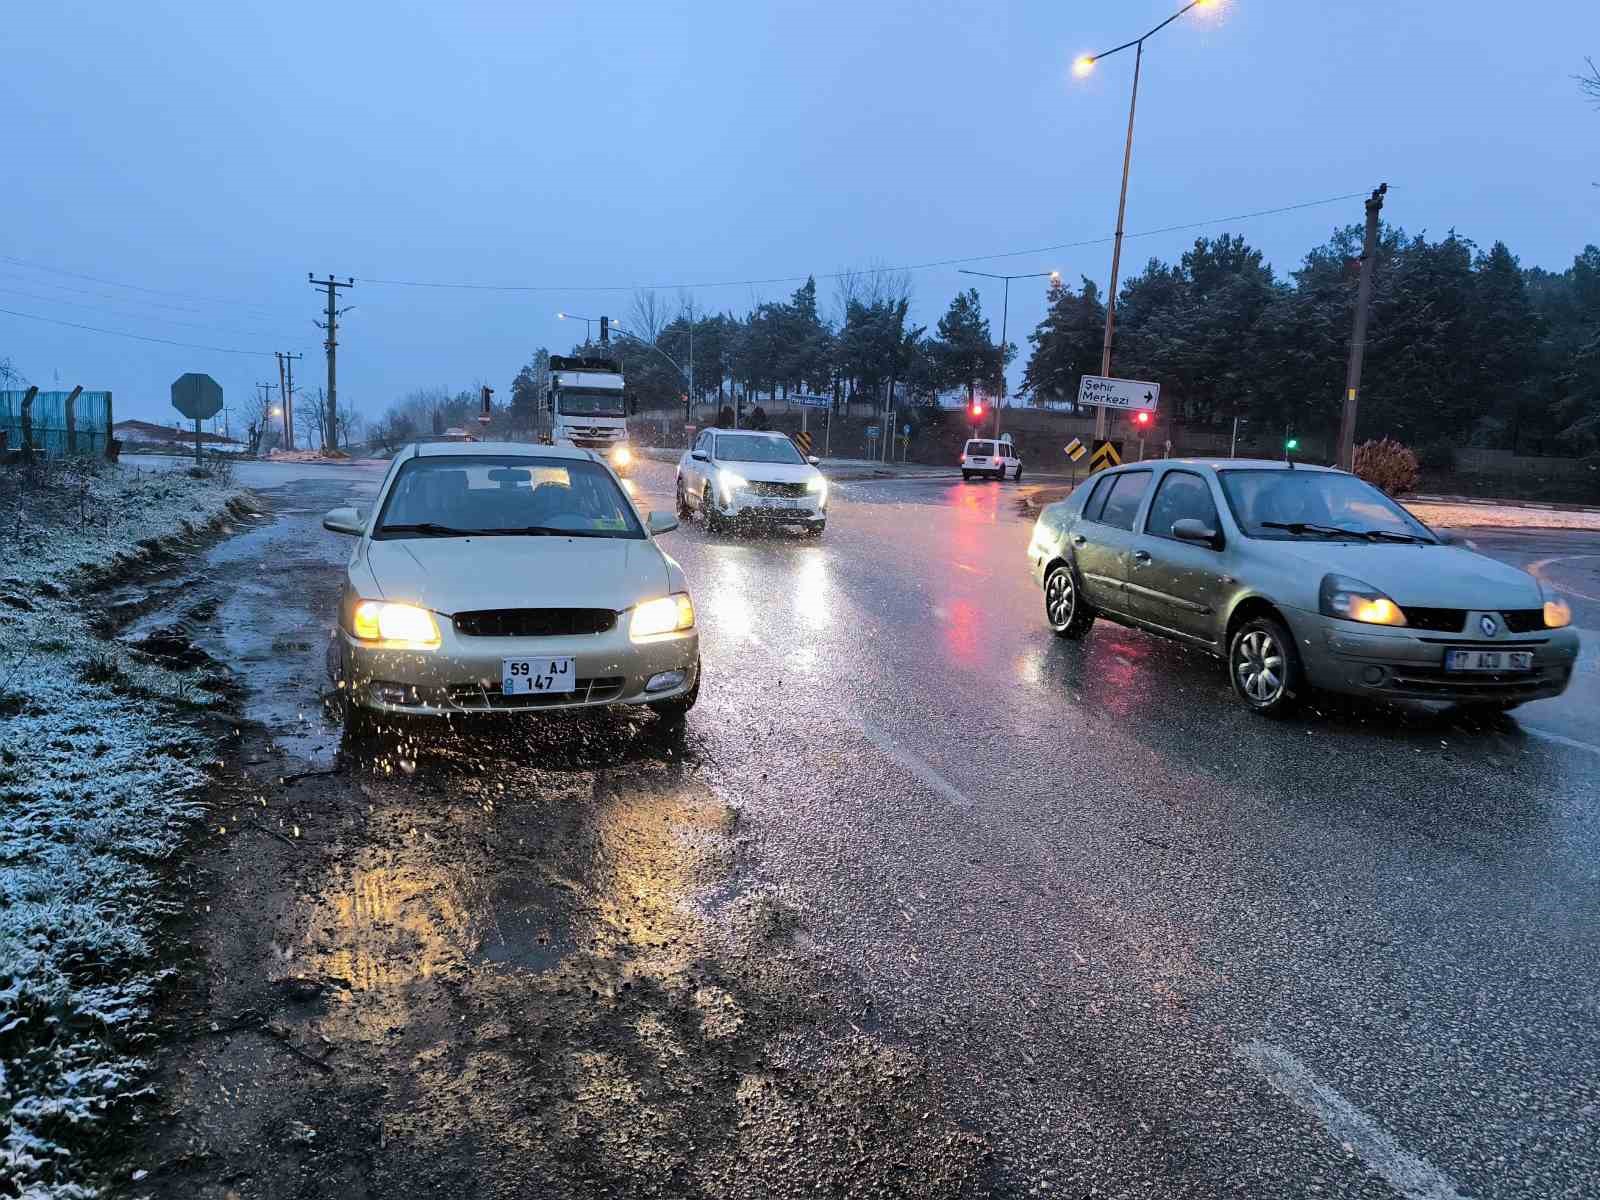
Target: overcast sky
<point x="215" y="153"/>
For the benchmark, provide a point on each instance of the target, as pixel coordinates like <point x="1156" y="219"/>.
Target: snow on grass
<point x="1504" y="516"/>
<point x="99" y="784"/>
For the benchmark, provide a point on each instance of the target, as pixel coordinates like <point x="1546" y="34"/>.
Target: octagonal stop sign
<point x="196" y="396"/>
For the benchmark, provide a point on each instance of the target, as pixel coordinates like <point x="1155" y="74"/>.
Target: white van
<point x="985" y="456"/>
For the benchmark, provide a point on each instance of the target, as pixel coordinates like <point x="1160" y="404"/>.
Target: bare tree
<point x="10" y="377"/>
<point x="650" y="315"/>
<point x="1589" y="84"/>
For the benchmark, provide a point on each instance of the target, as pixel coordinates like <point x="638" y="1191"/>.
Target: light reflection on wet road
<point x="1076" y="877"/>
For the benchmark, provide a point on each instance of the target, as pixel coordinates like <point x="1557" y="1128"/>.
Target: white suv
<point x="984" y="456"/>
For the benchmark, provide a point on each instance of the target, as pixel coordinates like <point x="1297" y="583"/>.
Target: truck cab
<point x="586" y="406"/>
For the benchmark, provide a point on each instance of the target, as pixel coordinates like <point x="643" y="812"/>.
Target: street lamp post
<point x="587" y="321"/>
<point x="1082" y="67"/>
<point x="1005" y="312"/>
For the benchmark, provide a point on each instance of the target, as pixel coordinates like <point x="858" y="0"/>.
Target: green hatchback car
<point x="1300" y="578"/>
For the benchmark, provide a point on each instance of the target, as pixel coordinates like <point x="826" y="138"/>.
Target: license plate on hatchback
<point x="1488" y="660"/>
<point x="522" y="676"/>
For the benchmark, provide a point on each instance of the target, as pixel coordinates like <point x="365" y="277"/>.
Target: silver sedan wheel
<point x="1259" y="667"/>
<point x="1060" y="598"/>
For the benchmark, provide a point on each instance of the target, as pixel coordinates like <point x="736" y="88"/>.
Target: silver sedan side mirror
<point x="1191" y="530"/>
<point x="661" y="522"/>
<point x="348" y="521"/>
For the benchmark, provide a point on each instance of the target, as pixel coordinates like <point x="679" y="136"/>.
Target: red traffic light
<point x="1142" y="418"/>
<point x="977" y="408"/>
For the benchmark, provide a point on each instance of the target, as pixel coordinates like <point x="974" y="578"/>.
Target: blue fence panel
<point x="53" y="434"/>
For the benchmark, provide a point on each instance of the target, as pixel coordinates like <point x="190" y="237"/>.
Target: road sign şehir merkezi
<point x="1098" y="391"/>
<point x="196" y="396"/>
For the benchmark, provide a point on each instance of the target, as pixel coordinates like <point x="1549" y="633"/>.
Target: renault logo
<point x="1489" y="625"/>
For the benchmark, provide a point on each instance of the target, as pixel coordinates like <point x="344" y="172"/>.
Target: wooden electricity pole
<point x="330" y="422"/>
<point x="1358" y="338"/>
<point x="286" y="393"/>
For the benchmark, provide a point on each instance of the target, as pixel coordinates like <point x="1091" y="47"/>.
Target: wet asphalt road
<point x="1151" y="944"/>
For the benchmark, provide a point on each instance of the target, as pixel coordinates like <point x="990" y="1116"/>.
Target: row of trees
<point x="1463" y="345"/>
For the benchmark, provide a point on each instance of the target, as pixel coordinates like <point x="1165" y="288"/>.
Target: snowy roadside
<point x="99" y="776"/>
<point x="1500" y="516"/>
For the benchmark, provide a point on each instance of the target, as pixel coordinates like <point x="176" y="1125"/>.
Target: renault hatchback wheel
<point x="1264" y="667"/>
<point x="1064" y="608"/>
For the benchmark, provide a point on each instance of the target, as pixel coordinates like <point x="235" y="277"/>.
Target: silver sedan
<point x="507" y="578"/>
<point x="1301" y="578"/>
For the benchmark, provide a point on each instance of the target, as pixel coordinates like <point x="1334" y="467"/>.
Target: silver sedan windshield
<point x="1289" y="503"/>
<point x="459" y="495"/>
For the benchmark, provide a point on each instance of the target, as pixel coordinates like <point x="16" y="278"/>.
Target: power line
<point x="22" y="262"/>
<point x="922" y="266"/>
<point x="195" y="309"/>
<point x="124" y="312"/>
<point x="138" y="337"/>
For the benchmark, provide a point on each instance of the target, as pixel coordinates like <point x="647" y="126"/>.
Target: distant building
<point x="133" y="434"/>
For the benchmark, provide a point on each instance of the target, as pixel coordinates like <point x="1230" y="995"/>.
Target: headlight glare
<point x="728" y="481"/>
<point x="377" y="621"/>
<point x="668" y="614"/>
<point x="621" y="456"/>
<point x="1557" y="612"/>
<point x="819" y="485"/>
<point x="1353" y="600"/>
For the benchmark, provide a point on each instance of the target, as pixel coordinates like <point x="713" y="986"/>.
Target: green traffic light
<point x="1292" y="444"/>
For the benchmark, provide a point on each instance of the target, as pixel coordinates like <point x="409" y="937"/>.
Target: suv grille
<point x="777" y="489"/>
<point x="1524" y="620"/>
<point x="534" y="622"/>
<point x="1439" y="620"/>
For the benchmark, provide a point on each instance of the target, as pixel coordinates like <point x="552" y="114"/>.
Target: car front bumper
<point x="1408" y="664"/>
<point x="462" y="675"/>
<point x="805" y="510"/>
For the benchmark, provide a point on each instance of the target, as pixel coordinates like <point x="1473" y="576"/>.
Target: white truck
<point x="587" y="406"/>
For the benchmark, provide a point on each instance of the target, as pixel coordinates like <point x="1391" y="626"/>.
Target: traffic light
<point x="1291" y="444"/>
<point x="1142" y="419"/>
<point x="605" y="330"/>
<point x="976" y="409"/>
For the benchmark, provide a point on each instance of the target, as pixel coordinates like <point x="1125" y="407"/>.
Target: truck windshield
<point x="590" y="402"/>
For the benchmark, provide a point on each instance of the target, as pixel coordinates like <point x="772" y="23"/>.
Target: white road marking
<point x="917" y="766"/>
<point x="1571" y="743"/>
<point x="1410" y="1176"/>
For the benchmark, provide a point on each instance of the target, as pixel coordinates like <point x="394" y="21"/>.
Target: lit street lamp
<point x="587" y="321"/>
<point x="1005" y="312"/>
<point x="1082" y="67"/>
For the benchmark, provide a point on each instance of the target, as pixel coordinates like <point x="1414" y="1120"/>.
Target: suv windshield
<point x="458" y="495"/>
<point x="746" y="447"/>
<point x="590" y="402"/>
<point x="1292" y="504"/>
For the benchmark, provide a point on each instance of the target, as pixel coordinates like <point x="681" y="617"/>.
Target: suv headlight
<point x="727" y="481"/>
<point x="1557" y="612"/>
<point x="669" y="614"/>
<point x="819" y="485"/>
<point x="402" y="625"/>
<point x="1351" y="600"/>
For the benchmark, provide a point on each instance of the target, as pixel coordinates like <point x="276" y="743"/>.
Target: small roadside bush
<point x="1387" y="464"/>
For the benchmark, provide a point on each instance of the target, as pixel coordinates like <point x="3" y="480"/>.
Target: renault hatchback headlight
<point x="669" y="614"/>
<point x="1352" y="600"/>
<point x="402" y="624"/>
<point x="1557" y="612"/>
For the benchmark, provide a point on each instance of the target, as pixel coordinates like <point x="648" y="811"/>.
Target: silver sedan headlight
<point x="668" y="614"/>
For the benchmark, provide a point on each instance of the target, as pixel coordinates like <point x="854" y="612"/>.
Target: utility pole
<point x="331" y="419"/>
<point x="286" y="393"/>
<point x="1358" y="338"/>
